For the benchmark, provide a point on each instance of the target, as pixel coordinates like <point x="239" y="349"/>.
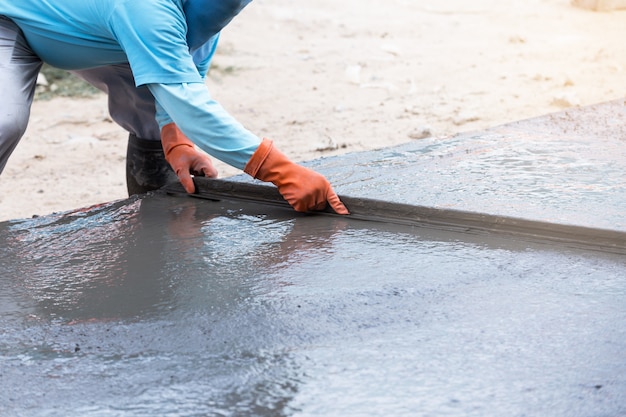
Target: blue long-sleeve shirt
<point x="152" y="37"/>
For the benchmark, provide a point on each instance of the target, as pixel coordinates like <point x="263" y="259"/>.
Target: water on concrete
<point x="183" y="307"/>
<point x="564" y="168"/>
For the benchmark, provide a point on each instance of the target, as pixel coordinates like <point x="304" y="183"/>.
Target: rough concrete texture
<point x="175" y="306"/>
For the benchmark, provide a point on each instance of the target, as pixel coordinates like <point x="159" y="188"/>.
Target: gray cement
<point x="564" y="168"/>
<point x="176" y="306"/>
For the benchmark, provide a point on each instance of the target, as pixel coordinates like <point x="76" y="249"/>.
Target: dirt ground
<point x="323" y="77"/>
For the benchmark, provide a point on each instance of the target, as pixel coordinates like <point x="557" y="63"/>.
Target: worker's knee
<point x="12" y="128"/>
<point x="13" y="123"/>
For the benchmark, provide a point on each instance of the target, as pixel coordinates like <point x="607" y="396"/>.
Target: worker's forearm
<point x="204" y="121"/>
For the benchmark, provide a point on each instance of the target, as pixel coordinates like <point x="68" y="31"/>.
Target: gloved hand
<point x="302" y="187"/>
<point x="183" y="157"/>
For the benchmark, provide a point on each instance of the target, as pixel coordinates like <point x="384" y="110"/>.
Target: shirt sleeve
<point x="153" y="37"/>
<point x="203" y="55"/>
<point x="204" y="121"/>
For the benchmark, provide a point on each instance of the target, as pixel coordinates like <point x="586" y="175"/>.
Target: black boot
<point x="146" y="167"/>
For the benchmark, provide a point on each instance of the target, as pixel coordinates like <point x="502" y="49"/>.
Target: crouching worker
<point x="153" y="44"/>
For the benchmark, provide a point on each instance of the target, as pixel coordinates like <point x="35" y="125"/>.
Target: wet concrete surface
<point x="175" y="306"/>
<point x="565" y="168"/>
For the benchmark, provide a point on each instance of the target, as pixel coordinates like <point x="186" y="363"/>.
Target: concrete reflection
<point x="125" y="260"/>
<point x="176" y="306"/>
<point x="126" y="284"/>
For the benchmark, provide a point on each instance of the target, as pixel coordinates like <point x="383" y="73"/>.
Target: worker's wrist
<point x="172" y="137"/>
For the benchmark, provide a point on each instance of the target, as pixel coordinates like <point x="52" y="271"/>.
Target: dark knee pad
<point x="146" y="167"/>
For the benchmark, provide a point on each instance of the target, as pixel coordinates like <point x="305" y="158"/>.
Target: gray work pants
<point x="131" y="107"/>
<point x="19" y="67"/>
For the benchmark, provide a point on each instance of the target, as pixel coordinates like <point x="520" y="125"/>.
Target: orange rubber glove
<point x="183" y="157"/>
<point x="302" y="187"/>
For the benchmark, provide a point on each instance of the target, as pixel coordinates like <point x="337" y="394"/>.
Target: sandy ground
<point x="323" y="77"/>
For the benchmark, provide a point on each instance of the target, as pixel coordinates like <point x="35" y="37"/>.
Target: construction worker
<point x="133" y="107"/>
<point x="163" y="48"/>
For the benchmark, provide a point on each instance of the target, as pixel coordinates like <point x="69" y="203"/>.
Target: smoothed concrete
<point x="564" y="168"/>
